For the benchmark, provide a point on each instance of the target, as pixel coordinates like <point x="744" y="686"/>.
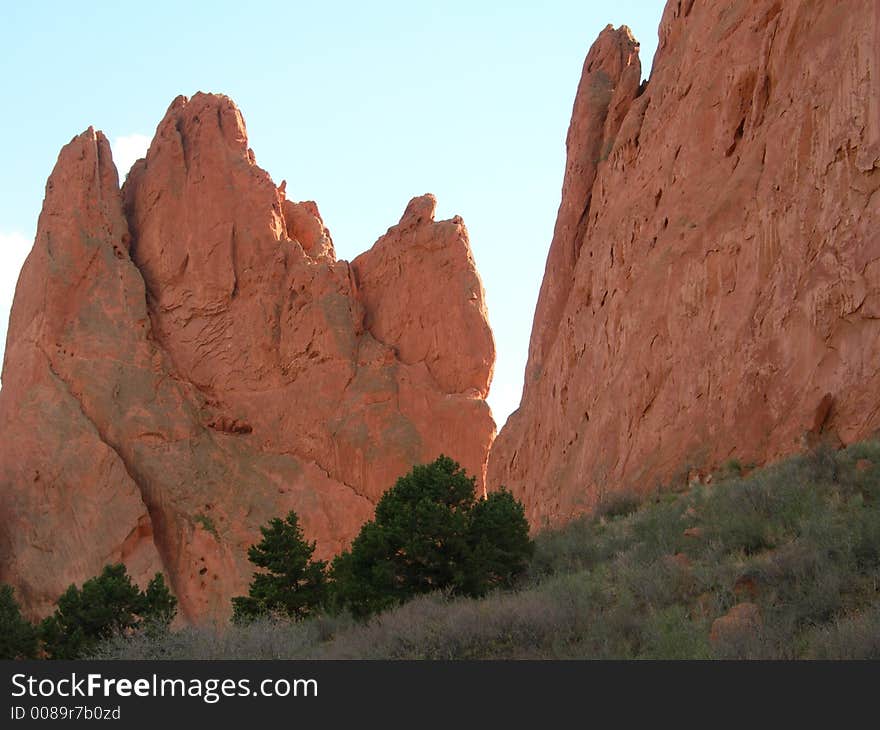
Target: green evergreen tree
<point x="291" y="584"/>
<point x="364" y="580"/>
<point x="159" y="605"/>
<point x="431" y="533"/>
<point x="105" y="605"/>
<point x="499" y="543"/>
<point x="18" y="637"/>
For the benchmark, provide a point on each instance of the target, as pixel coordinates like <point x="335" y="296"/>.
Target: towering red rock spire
<point x="609" y="82"/>
<point x="715" y="269"/>
<point x="79" y="310"/>
<point x="187" y="359"/>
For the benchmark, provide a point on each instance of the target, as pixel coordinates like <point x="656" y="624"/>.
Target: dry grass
<point x="803" y="536"/>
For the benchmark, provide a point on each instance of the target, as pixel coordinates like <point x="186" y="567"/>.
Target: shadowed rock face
<point x="713" y="284"/>
<point x="186" y="359"/>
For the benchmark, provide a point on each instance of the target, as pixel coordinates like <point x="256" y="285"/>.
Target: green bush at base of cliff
<point x="430" y="533"/>
<point x="107" y="605"/>
<point x="797" y="541"/>
<point x="291" y="585"/>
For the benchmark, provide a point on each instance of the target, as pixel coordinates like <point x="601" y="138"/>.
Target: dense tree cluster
<point x="105" y="605"/>
<point x="430" y="532"/>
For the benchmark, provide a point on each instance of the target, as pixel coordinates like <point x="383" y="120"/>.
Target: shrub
<point x="822" y="462"/>
<point x="106" y="605"/>
<point x="660" y="530"/>
<point x="618" y="504"/>
<point x="572" y="547"/>
<point x="762" y="511"/>
<point x="731" y="468"/>
<point x="18" y="638"/>
<point x="538" y="622"/>
<point x="799" y="544"/>
<point x="265" y="637"/>
<point x="852" y="637"/>
<point x="293" y="584"/>
<point x="671" y="634"/>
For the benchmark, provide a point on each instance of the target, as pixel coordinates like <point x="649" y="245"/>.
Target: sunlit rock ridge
<point x="187" y="359"/>
<point x="712" y="289"/>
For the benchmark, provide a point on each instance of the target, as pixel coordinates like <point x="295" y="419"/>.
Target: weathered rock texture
<point x="186" y="359"/>
<point x="713" y="285"/>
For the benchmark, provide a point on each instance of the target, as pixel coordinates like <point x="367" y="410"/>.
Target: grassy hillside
<point x="793" y="549"/>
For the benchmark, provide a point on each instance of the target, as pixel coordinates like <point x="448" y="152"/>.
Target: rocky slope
<point x="186" y="359"/>
<point x="712" y="289"/>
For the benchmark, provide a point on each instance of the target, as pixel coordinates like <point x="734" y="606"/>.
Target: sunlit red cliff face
<point x="187" y="359"/>
<point x="712" y="289"/>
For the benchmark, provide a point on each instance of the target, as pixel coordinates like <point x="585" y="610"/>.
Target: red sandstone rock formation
<point x="713" y="284"/>
<point x="187" y="359"/>
<point x="740" y="623"/>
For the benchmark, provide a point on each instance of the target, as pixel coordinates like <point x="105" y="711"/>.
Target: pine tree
<point x="18" y="637"/>
<point x="105" y="605"/>
<point x="499" y="543"/>
<point x="291" y="584"/>
<point x="431" y="533"/>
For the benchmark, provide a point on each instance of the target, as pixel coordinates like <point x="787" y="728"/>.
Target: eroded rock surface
<point x="712" y="289"/>
<point x="186" y="359"/>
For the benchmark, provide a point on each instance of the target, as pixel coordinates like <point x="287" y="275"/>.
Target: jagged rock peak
<point x="187" y="359"/>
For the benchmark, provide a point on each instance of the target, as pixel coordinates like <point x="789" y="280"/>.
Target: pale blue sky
<point x="359" y="106"/>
